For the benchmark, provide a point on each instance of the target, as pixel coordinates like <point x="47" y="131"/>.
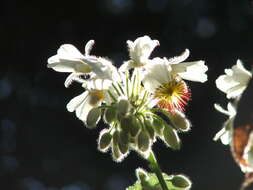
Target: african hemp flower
<point x="139" y="52"/>
<point x="233" y="83"/>
<point x="235" y="80"/>
<point x="138" y="106"/>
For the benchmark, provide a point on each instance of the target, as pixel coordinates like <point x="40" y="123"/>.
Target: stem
<point x="154" y="166"/>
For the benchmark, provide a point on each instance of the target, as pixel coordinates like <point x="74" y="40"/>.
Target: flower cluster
<point x="233" y="83"/>
<point x="143" y="99"/>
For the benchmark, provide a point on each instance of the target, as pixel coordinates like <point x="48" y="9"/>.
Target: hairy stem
<point x="154" y="166"/>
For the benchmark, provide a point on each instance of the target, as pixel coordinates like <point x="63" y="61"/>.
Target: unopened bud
<point x="116" y="154"/>
<point x="158" y="126"/>
<point x="125" y="123"/>
<point x="171" y="138"/>
<point x="180" y="181"/>
<point x="134" y="126"/>
<point x="123" y="142"/>
<point x="143" y="141"/>
<point x="180" y="121"/>
<point x="104" y="140"/>
<point x="142" y="175"/>
<point x="123" y="107"/>
<point x="93" y="117"/>
<point x="149" y="127"/>
<point x="110" y="115"/>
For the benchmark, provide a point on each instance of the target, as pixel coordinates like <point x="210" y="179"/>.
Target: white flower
<point x="235" y="80"/>
<point x="225" y="134"/>
<point x="139" y="52"/>
<point x="69" y="59"/>
<point x="170" y="92"/>
<point x="193" y="71"/>
<point x="91" y="98"/>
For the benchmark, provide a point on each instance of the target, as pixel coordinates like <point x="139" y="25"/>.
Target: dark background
<point x="44" y="147"/>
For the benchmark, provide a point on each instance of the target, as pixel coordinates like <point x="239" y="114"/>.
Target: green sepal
<point x="171" y="138"/>
<point x="104" y="140"/>
<point x="123" y="142"/>
<point x="149" y="126"/>
<point x="143" y="141"/>
<point x="173" y="182"/>
<point x="110" y="115"/>
<point x="93" y="117"/>
<point x="158" y="125"/>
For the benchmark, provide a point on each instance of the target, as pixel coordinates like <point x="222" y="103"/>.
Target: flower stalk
<point x="154" y="166"/>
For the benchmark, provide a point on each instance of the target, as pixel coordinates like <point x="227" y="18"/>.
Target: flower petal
<point x="193" y="71"/>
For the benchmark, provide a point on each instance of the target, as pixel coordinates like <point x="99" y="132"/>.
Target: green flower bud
<point x="116" y="154"/>
<point x="180" y="121"/>
<point x="110" y="115"/>
<point x="104" y="140"/>
<point x="123" y="142"/>
<point x="142" y="175"/>
<point x="158" y="126"/>
<point x="123" y="107"/>
<point x="171" y="138"/>
<point x="125" y="123"/>
<point x="93" y="117"/>
<point x="143" y="141"/>
<point x="149" y="127"/>
<point x="134" y="126"/>
<point x="181" y="181"/>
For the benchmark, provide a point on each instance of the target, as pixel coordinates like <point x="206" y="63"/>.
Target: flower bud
<point x="123" y="142"/>
<point x="143" y="141"/>
<point x="149" y="127"/>
<point x="93" y="117"/>
<point x="123" y="107"/>
<point x="125" y="123"/>
<point x="104" y="140"/>
<point x="116" y="154"/>
<point x="180" y="121"/>
<point x="134" y="126"/>
<point x="141" y="175"/>
<point x="110" y="115"/>
<point x="180" y="181"/>
<point x="158" y="126"/>
<point x="171" y="138"/>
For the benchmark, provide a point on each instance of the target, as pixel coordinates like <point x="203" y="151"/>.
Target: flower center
<point x="173" y="95"/>
<point x="96" y="96"/>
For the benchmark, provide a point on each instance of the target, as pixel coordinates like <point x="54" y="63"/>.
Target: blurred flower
<point x="139" y="52"/>
<point x="225" y="134"/>
<point x="235" y="80"/>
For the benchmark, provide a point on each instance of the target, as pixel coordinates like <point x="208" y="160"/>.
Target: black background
<point x="44" y="147"/>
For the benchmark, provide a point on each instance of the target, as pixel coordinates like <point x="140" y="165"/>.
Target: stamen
<point x="173" y="95"/>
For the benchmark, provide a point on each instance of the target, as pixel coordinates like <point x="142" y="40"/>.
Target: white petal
<point x="77" y="101"/>
<point x="141" y="48"/>
<point x="226" y="138"/>
<point x="194" y="71"/>
<point x="235" y="80"/>
<point x="180" y="58"/>
<point x="69" y="52"/>
<point x="88" y="47"/>
<point x="99" y="84"/>
<point x="220" y="109"/>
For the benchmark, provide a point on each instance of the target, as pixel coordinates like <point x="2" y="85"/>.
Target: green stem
<point x="154" y="166"/>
